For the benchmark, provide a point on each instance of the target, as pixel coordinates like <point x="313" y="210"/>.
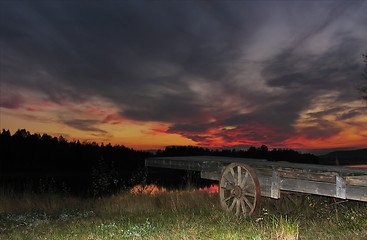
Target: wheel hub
<point x="236" y="192"/>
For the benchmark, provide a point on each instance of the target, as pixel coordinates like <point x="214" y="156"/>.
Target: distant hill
<point x="352" y="157"/>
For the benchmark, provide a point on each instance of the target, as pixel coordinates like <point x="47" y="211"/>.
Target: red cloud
<point x="114" y="118"/>
<point x="11" y="100"/>
<point x="95" y="111"/>
<point x="158" y="131"/>
<point x="227" y="136"/>
<point x="32" y="110"/>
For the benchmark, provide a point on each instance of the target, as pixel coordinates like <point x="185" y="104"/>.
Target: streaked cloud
<point x="85" y="125"/>
<point x="218" y="73"/>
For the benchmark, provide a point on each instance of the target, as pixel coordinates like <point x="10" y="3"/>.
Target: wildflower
<point x="149" y="189"/>
<point x="211" y="189"/>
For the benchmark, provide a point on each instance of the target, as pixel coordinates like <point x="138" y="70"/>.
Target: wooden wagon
<point x="242" y="181"/>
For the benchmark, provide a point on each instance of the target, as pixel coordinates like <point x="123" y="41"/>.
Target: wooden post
<point x="275" y="192"/>
<point x="340" y="187"/>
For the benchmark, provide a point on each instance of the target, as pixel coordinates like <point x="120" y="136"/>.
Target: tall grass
<point x="123" y="202"/>
<point x="184" y="214"/>
<point x="14" y="202"/>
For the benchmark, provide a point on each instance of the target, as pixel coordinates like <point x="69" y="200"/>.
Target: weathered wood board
<point x="274" y="177"/>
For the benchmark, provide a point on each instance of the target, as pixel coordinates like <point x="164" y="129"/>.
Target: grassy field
<point x="184" y="214"/>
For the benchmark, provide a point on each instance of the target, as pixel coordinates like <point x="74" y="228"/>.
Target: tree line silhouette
<point x="262" y="152"/>
<point x="45" y="163"/>
<point x="87" y="167"/>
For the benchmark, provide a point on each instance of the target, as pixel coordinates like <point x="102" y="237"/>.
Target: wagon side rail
<point x="274" y="177"/>
<point x="339" y="182"/>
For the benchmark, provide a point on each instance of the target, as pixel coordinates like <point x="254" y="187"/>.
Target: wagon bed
<point x="243" y="180"/>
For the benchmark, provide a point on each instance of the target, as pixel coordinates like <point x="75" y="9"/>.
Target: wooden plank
<point x="213" y="175"/>
<point x="211" y="166"/>
<point x="320" y="177"/>
<point x="263" y="163"/>
<point x="264" y="180"/>
<point x="357" y="180"/>
<point x="358" y="193"/>
<point x="324" y="189"/>
<point x="305" y="186"/>
<point x="268" y="171"/>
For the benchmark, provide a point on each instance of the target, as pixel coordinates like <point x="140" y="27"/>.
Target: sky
<point x="148" y="74"/>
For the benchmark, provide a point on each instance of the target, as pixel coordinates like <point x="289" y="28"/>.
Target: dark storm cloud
<point x="84" y="125"/>
<point x="333" y="71"/>
<point x="323" y="130"/>
<point x="327" y="71"/>
<point x="165" y="108"/>
<point x="108" y="49"/>
<point x="197" y="128"/>
<point x="333" y="111"/>
<point x="271" y="121"/>
<point x="145" y="57"/>
<point x="352" y="113"/>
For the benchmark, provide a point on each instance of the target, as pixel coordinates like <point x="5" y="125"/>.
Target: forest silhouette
<point x="42" y="163"/>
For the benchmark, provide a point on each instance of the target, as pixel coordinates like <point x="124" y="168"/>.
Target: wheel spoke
<point x="238" y="210"/>
<point x="249" y="194"/>
<point x="232" y="205"/>
<point x="248" y="203"/>
<point x="243" y="183"/>
<point x="243" y="206"/>
<point x="228" y="198"/>
<point x="231" y="182"/>
<point x="239" y="173"/>
<point x="233" y="175"/>
<point x="228" y="189"/>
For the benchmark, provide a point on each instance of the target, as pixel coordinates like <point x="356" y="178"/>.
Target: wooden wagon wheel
<point x="239" y="189"/>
